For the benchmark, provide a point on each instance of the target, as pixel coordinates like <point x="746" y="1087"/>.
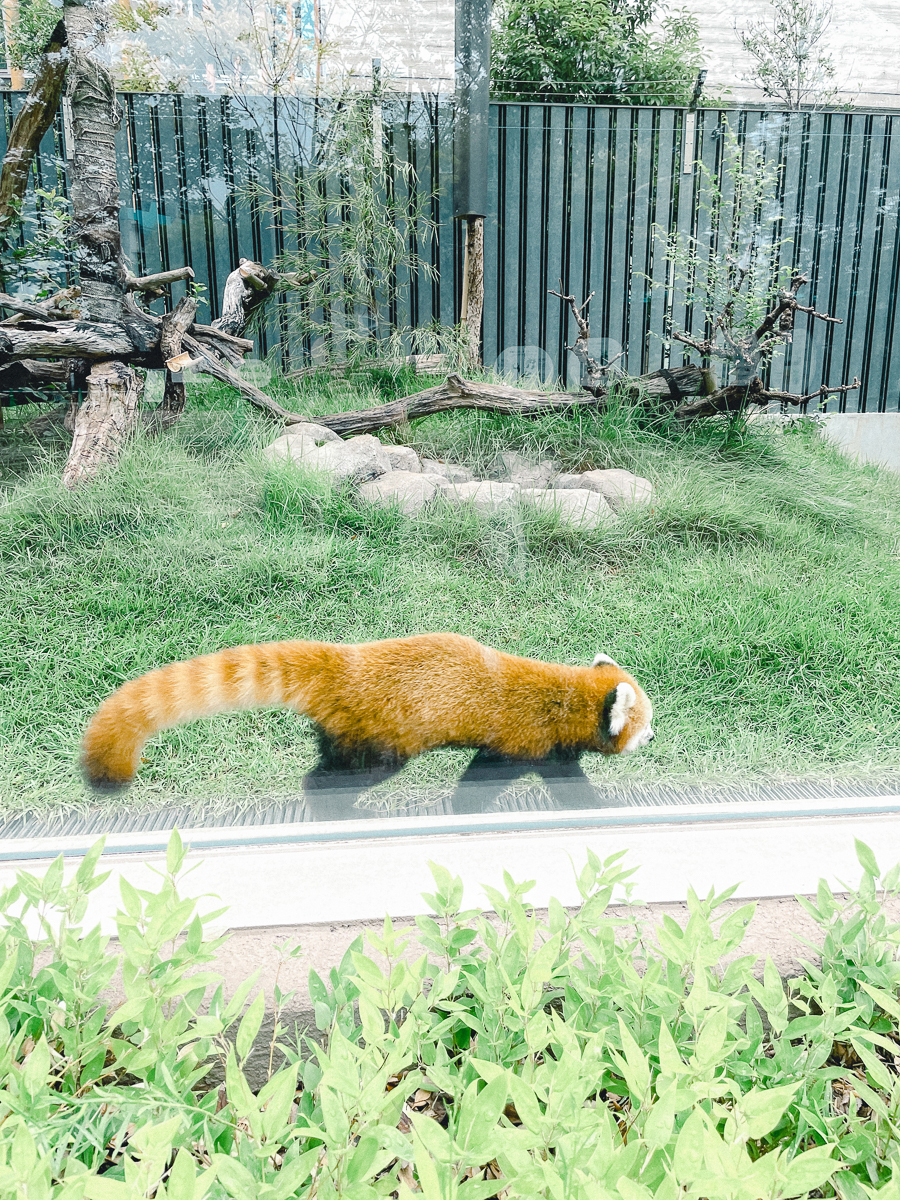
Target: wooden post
<point x="473" y="286"/>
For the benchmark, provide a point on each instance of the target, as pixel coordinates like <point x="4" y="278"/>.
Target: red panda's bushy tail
<point x="242" y="677"/>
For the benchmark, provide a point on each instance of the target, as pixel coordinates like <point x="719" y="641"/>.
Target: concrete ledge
<point x="282" y="876"/>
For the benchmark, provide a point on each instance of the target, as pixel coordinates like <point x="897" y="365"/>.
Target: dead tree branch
<point x="209" y="364"/>
<point x="34" y="119"/>
<point x="156" y="283"/>
<point x="172" y="330"/>
<point x="595" y="376"/>
<point x="64" y="339"/>
<point x="500" y="398"/>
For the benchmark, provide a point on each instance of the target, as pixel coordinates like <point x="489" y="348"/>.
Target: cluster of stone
<point x="384" y="474"/>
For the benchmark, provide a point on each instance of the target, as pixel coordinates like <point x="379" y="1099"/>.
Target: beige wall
<point x="413" y="39"/>
<point x="864" y="38"/>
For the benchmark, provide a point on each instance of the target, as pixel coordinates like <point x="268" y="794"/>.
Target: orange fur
<point x="401" y="696"/>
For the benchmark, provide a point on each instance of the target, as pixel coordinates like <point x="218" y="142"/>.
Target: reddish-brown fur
<point x="401" y="696"/>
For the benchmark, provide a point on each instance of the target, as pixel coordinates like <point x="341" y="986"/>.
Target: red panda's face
<point x="626" y="715"/>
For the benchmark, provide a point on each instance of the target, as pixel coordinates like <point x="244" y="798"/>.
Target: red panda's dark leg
<point x="486" y="776"/>
<point x="564" y="777"/>
<point x="341" y="774"/>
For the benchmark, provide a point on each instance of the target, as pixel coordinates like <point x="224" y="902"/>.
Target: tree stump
<point x="105" y="420"/>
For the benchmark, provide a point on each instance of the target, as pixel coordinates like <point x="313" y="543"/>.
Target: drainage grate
<point x="338" y="805"/>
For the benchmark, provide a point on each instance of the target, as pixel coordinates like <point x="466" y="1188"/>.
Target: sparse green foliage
<point x="736" y="278"/>
<point x="36" y="254"/>
<point x="790" y="62"/>
<point x="364" y="230"/>
<point x="36" y="21"/>
<point x="583" y="1053"/>
<point x="592" y="51"/>
<point x="730" y="272"/>
<point x="138" y="70"/>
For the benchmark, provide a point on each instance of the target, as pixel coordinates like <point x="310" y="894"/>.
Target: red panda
<point x="391" y="699"/>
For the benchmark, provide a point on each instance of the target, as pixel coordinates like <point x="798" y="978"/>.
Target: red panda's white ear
<point x="622" y="698"/>
<point x="603" y="660"/>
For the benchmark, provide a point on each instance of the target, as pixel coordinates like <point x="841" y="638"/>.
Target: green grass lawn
<point x="758" y="601"/>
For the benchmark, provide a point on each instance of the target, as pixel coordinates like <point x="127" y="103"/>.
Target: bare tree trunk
<point x="109" y="414"/>
<point x="105" y="421"/>
<point x="95" y="184"/>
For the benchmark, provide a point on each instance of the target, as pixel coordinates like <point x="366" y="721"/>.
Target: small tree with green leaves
<point x="364" y="227"/>
<point x="790" y="62"/>
<point x="593" y="50"/>
<point x="733" y="274"/>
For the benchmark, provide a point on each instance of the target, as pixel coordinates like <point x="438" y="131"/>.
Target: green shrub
<point x="579" y="1054"/>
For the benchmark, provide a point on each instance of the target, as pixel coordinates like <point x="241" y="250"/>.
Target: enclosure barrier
<point x="574" y="191"/>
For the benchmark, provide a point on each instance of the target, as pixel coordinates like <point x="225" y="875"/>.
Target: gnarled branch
<point x="456" y="392"/>
<point x="34" y="119"/>
<point x="155" y="283"/>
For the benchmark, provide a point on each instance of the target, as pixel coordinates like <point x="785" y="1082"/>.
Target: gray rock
<point x="403" y="458"/>
<point x="298" y="441"/>
<point x="411" y="490"/>
<point x="354" y="461"/>
<point x="579" y="507"/>
<point x="441" y="482"/>
<point x="294" y="446"/>
<point x="514" y="468"/>
<point x="451" y="471"/>
<point x="617" y="486"/>
<point x="487" y="497"/>
<point x="309" y="429"/>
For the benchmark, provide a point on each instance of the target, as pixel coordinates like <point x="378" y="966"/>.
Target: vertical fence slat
<point x="492" y="318"/>
<point x="599" y="216"/>
<point x="844" y="290"/>
<point x="531" y="232"/>
<point x="667" y="163"/>
<point x="867" y="228"/>
<point x="145" y="203"/>
<point x="574" y="281"/>
<point x="688" y="183"/>
<point x="131" y="190"/>
<point x="883" y="333"/>
<point x="825" y="245"/>
<point x="620" y="228"/>
<point x="556" y="162"/>
<point x="795" y="176"/>
<point x="642" y="219"/>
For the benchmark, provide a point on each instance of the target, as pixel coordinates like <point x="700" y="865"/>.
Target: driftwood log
<point x="106" y="420"/>
<point x="456" y="392"/>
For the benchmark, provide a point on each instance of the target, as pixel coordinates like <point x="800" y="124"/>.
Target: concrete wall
<point x="862" y="41"/>
<point x="867" y="437"/>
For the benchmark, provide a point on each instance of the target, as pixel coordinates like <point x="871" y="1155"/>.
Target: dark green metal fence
<point x="573" y="194"/>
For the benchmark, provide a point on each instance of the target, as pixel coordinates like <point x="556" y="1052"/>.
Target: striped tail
<point x="242" y="677"/>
